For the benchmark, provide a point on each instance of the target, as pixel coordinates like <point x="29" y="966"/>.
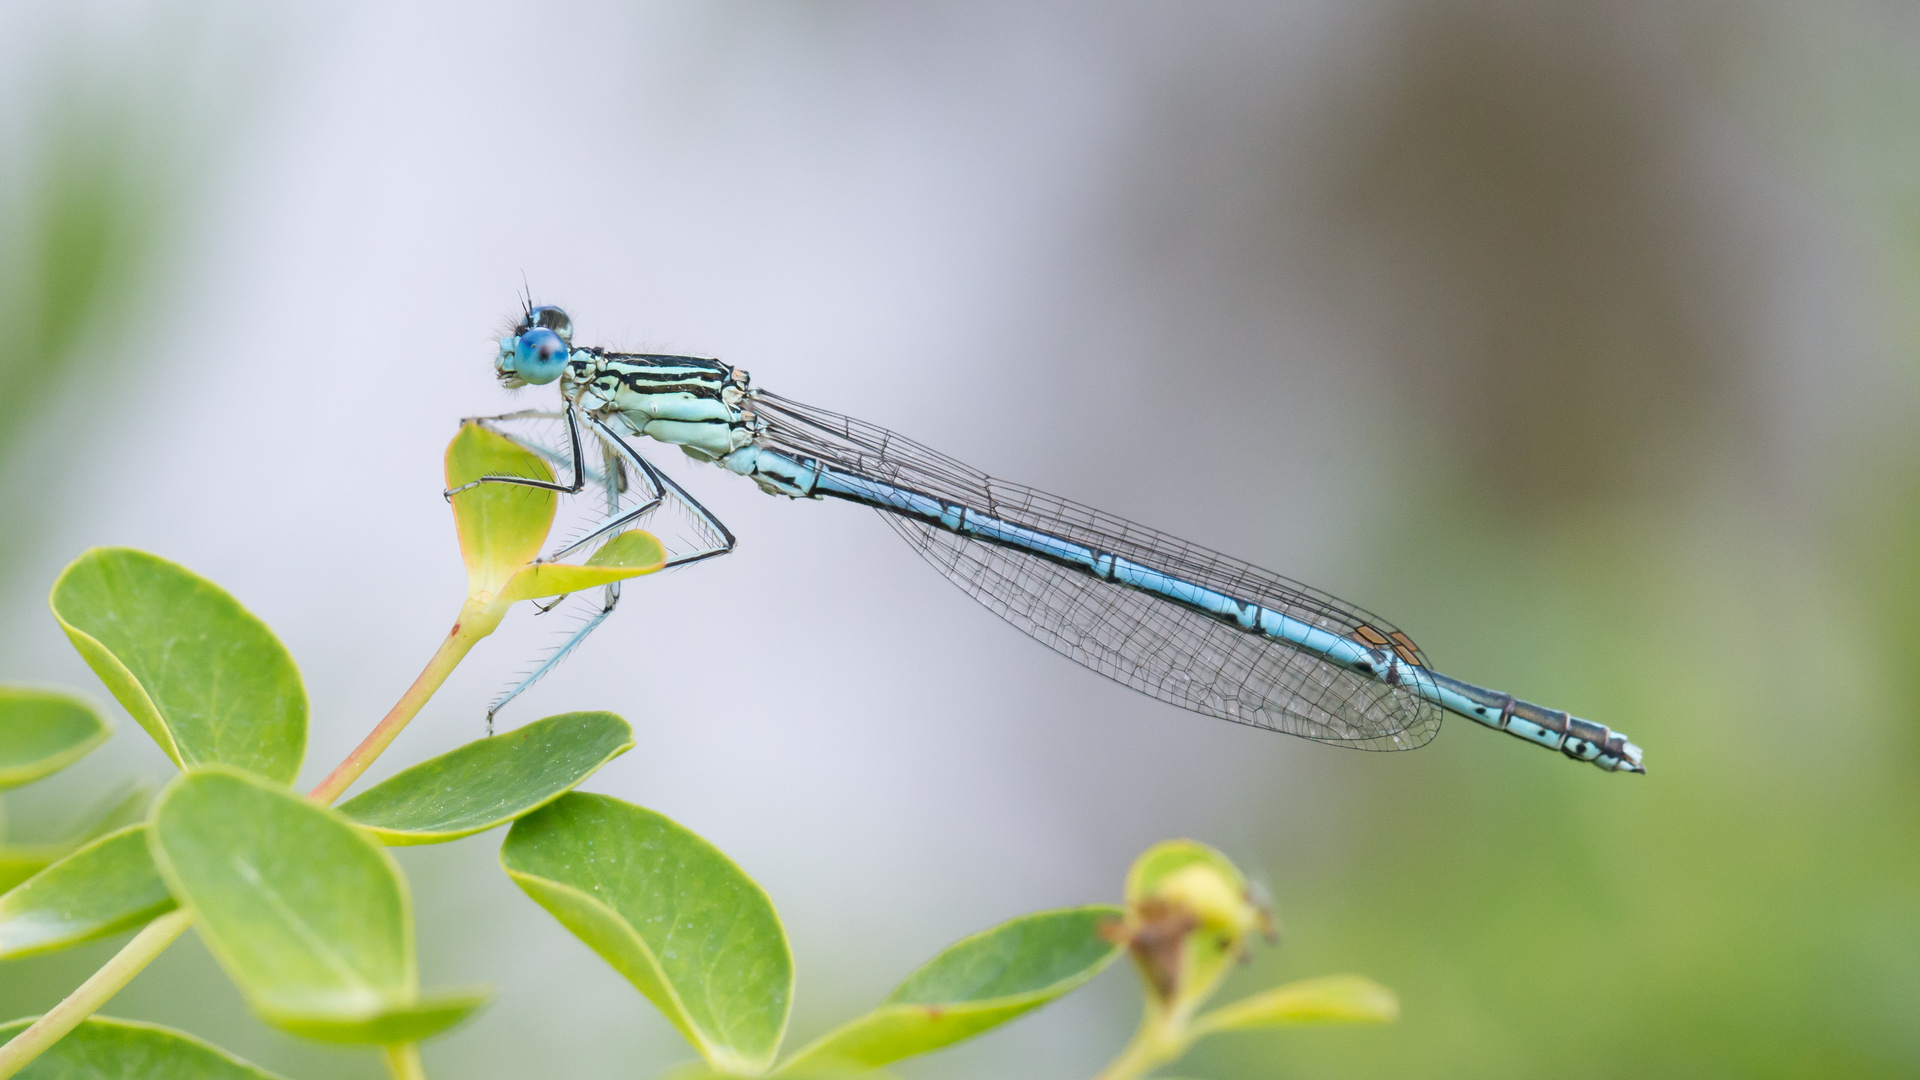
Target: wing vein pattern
<point x="1155" y="645"/>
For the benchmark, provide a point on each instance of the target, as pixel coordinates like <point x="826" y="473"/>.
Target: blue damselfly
<point x="1189" y="626"/>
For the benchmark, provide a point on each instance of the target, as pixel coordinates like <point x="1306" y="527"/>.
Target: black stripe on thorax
<point x="650" y="374"/>
<point x="663" y="360"/>
<point x="654" y="384"/>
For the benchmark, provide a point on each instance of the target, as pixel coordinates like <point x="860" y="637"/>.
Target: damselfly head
<point x="536" y="352"/>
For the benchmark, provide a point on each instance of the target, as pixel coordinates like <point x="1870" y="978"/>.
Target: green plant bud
<point x="1218" y="904"/>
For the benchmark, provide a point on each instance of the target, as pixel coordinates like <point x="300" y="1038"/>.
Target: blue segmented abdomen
<point x="812" y="479"/>
<point x="1576" y="738"/>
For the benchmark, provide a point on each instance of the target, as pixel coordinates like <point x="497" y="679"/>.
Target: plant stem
<point x="404" y="1062"/>
<point x="93" y="993"/>
<point x="1162" y="1038"/>
<point x="472" y="626"/>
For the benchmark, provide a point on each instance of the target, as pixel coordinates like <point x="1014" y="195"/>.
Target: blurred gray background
<point x="1579" y="339"/>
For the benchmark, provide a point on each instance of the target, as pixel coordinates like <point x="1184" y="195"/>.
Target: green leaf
<point x="1332" y="999"/>
<point x="105" y="887"/>
<point x="206" y="679"/>
<point x="633" y="549"/>
<point x="977" y="983"/>
<point x="105" y="1049"/>
<point x="685" y="925"/>
<point x="42" y="732"/>
<point x="490" y="782"/>
<point x="430" y="1015"/>
<point x="501" y="526"/>
<point x="308" y="916"/>
<point x="630" y="554"/>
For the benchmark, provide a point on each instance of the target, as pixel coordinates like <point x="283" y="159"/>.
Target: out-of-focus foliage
<point x="87" y="196"/>
<point x="974" y="984"/>
<point x="42" y="732"/>
<point x="1190" y="917"/>
<point x="112" y="117"/>
<point x="92" y="193"/>
<point x="1600" y="505"/>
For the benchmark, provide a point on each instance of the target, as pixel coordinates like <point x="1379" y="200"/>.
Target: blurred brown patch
<point x="1527" y="252"/>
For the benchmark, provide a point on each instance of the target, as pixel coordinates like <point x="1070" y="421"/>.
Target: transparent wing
<point x="1158" y="647"/>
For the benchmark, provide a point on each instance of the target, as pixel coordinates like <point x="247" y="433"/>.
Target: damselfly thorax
<point x="699" y="405"/>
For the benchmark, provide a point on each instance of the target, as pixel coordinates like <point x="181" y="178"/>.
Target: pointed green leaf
<point x="685" y="925"/>
<point x="42" y="732"/>
<point x="558" y="579"/>
<point x="106" y="1049"/>
<point x="490" y="782"/>
<point x="206" y="679"/>
<point x="630" y="554"/>
<point x="1332" y="999"/>
<point x="501" y="526"/>
<point x="977" y="983"/>
<point x="308" y="916"/>
<point x="105" y="887"/>
<point x="633" y="549"/>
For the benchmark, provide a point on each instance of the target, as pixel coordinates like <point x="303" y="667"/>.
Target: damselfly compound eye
<point x="554" y="319"/>
<point x="539" y="355"/>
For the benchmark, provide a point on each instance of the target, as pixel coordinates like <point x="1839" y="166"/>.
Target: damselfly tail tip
<point x="1631" y="762"/>
<point x="1623" y="756"/>
<point x="1600" y="745"/>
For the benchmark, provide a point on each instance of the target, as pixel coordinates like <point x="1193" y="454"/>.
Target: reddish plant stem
<point x="470" y="629"/>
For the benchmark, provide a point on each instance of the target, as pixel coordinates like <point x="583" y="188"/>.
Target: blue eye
<point x="538" y="356"/>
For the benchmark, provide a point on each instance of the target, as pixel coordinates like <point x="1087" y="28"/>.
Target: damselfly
<point x="1171" y="619"/>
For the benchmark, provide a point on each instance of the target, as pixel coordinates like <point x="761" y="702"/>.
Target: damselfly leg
<point x="720" y="538"/>
<point x="632" y="489"/>
<point x="611" y="481"/>
<point x="573" y="441"/>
